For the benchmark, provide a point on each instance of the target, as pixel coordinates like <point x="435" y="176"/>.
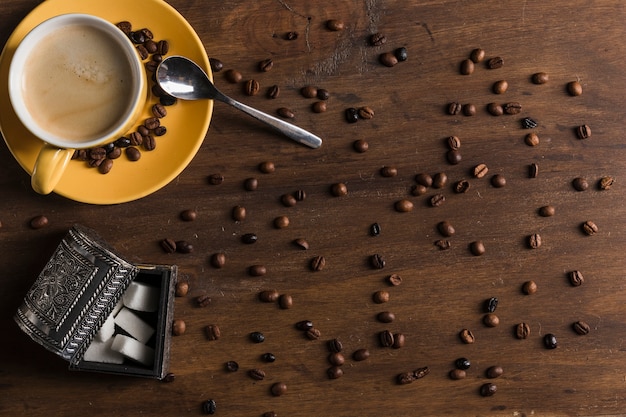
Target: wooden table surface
<point x="442" y="291"/>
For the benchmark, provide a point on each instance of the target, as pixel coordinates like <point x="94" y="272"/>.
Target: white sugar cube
<point x="107" y="330"/>
<point x="132" y="349"/>
<point x="101" y="352"/>
<point x="134" y="325"/>
<point x="141" y="297"/>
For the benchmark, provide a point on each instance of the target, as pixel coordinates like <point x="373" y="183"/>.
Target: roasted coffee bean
<point x="498" y="181"/>
<point x="405" y="378"/>
<point x="209" y="407"/>
<point x="216" y="64"/>
<point x="491" y="304"/>
<point x="583" y="131"/>
<point x="352" y="115"/>
<point x="366" y="112"/>
<point x="304" y="325"/>
<point x="257" y="337"/>
<point x="167" y="100"/>
<point x="317" y="263"/>
<point x="480" y="170"/>
<point x="334" y="372"/>
<point x="477" y="248"/>
<point x="216" y="179"/>
<point x="360" y="145"/>
<point x="529" y="287"/>
<point x="533" y="170"/>
<point x="97" y="153"/>
<point x="285" y="301"/>
<point x="522" y="331"/>
<point x="257" y="270"/>
<point x="233" y="76"/>
<point x="377" y="261"/>
<point x="288" y="200"/>
<point x="512" y="108"/>
<point x="339" y="189"/>
<point x="149" y="143"/>
<point x="178" y="327"/>
<point x="94" y="163"/>
<point x="500" y="87"/>
<point x="319" y="107"/>
<point x="495" y="62"/>
<point x="491" y="320"/>
<point x="273" y="92"/>
<point x="540" y="78"/>
<point x="467" y="336"/>
<point x="394" y="280"/>
<point x="106" y="166"/>
<point x="374" y="229"/>
<point x="488" y="389"/>
<point x="323" y="94"/>
<point x="550" y="342"/>
<point x="386" y="338"/>
<point x="404" y="206"/>
<point x="122" y="142"/>
<point x="157" y="91"/>
<point x="182" y="288"/>
<point x="445" y="228"/>
<point x="38" y="222"/>
<point x="281" y="222"/>
<point x="142" y="52"/>
<point x="528" y="123"/>
<point x="335" y="25"/>
<point x="440" y="180"/>
<point x="605" y="183"/>
<point x="469" y="109"/>
<point x="401" y="54"/>
<point x="152" y="65"/>
<point x="301" y="243"/>
<point x="256" y="374"/>
<point x="182" y="246"/>
<point x="152" y="123"/>
<point x="336" y="358"/>
<point x="203" y="301"/>
<point x="212" y="332"/>
<point x="388" y="59"/>
<point x="418" y="189"/>
<point x="251" y="87"/>
<point x="238" y="213"/>
<point x="335" y="345"/>
<point x="218" y="260"/>
<point x="249" y="238"/>
<point x="136" y="139"/>
<point x="269" y="296"/>
<point x="361" y="354"/>
<point x="125" y="26"/>
<point x="267" y="167"/>
<point x="453" y="142"/>
<point x="462" y="363"/>
<point x="576" y="278"/>
<point x="168" y="245"/>
<point x="377" y="39"/>
<point x="574" y="88"/>
<point x="381" y="297"/>
<point x="457" y="374"/>
<point x="495" y="109"/>
<point x="386" y="317"/>
<point x="420" y="373"/>
<point x="424" y="179"/>
<point x="461" y="186"/>
<point x="494" y="371"/>
<point x="388" y="171"/>
<point x="547" y="211"/>
<point x="454" y="108"/>
<point x="309" y="91"/>
<point x="443" y="244"/>
<point x="477" y="55"/>
<point x="534" y="241"/>
<point x="467" y="67"/>
<point x="159" y="110"/>
<point x="590" y="228"/>
<point x="251" y="184"/>
<point x="151" y="46"/>
<point x="399" y="340"/>
<point x="437" y="200"/>
<point x="285" y="112"/>
<point x="163" y="47"/>
<point x="279" y="388"/>
<point x="188" y="215"/>
<point x="581" y="327"/>
<point x="313" y="334"/>
<point x="580" y="184"/>
<point x="232" y="366"/>
<point x="266" y="65"/>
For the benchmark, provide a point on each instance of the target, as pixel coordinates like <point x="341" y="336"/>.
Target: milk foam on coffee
<point x="77" y="83"/>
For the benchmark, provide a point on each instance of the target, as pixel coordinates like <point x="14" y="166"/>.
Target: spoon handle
<point x="291" y="131"/>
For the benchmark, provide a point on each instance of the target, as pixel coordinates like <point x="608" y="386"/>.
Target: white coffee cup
<point x="75" y="81"/>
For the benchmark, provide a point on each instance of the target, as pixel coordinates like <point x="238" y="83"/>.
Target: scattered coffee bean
<point x="216" y="64"/>
<point x="268" y="357"/>
<point x="454" y="108"/>
<point x="491" y="320"/>
<point x="300" y="195"/>
<point x="461" y="186"/>
<point x="533" y="170"/>
<point x="469" y="109"/>
<point x="404" y="206"/>
<point x="477" y="248"/>
<point x="467" y="336"/>
<point x="550" y="342"/>
<point x="480" y="170"/>
<point x="457" y="374"/>
<point x="281" y="222"/>
<point x="168" y="245"/>
<point x="576" y="278"/>
<point x="462" y="363"/>
<point x="266" y="65"/>
<point x="257" y="337"/>
<point x="361" y="355"/>
<point x="418" y="189"/>
<point x="152" y="123"/>
<point x="424" y="179"/>
<point x="212" y="332"/>
<point x="125" y="26"/>
<point x="233" y="76"/>
<point x="182" y="288"/>
<point x="216" y="179"/>
<point x="477" y="55"/>
<point x="257" y="270"/>
<point x="590" y="228"/>
<point x="188" y="215"/>
<point x="319" y="107"/>
<point x="336" y="358"/>
<point x="285" y="301"/>
<point x="386" y="338"/>
<point x="178" y="327"/>
<point x="377" y="261"/>
<point x="335" y="345"/>
<point x="334" y="372"/>
<point x="209" y="407"/>
<point x="529" y="287"/>
<point x="317" y="263"/>
<point x="495" y="63"/>
<point x="401" y="54"/>
<point x="39" y="222"/>
<point x="574" y="88"/>
<point x="149" y="143"/>
<point x="251" y="184"/>
<point x="443" y="244"/>
<point x="386" y="317"/>
<point x="374" y="229"/>
<point x="203" y="301"/>
<point x="339" y="189"/>
<point x="512" y="108"/>
<point x="273" y="92"/>
<point x="238" y="213"/>
<point x="540" y="78"/>
<point x="440" y="180"/>
<point x="467" y="67"/>
<point x="495" y="109"/>
<point x="394" y="280"/>
<point x="491" y="304"/>
<point x="218" y="260"/>
<point x="256" y="374"/>
<point x="232" y="366"/>
<point x="437" y="200"/>
<point x="420" y="373"/>
<point x="547" y="211"/>
<point x="605" y="183"/>
<point x="106" y="166"/>
<point x="323" y="94"/>
<point x="534" y="241"/>
<point x="399" y="340"/>
<point x="366" y="112"/>
<point x="522" y="331"/>
<point x="313" y="334"/>
<point x="377" y="39"/>
<point x="498" y="181"/>
<point x="288" y="200"/>
<point x="580" y="184"/>
<point x="445" y="228"/>
<point x="388" y="59"/>
<point x="389" y="171"/>
<point x="182" y="246"/>
<point x="269" y="296"/>
<point x="453" y="142"/>
<point x="279" y="388"/>
<point x="351" y="115"/>
<point x="335" y="25"/>
<point x="309" y="91"/>
<point x="285" y="112"/>
<point x="581" y="327"/>
<point x="494" y="371"/>
<point x="488" y="389"/>
<point x="166" y="100"/>
<point x="500" y="87"/>
<point x="267" y="167"/>
<point x="304" y="325"/>
<point x="528" y="123"/>
<point x="360" y="145"/>
<point x="381" y="297"/>
<point x="249" y="238"/>
<point x="583" y="131"/>
<point x="301" y="243"/>
<point x="159" y="110"/>
<point x="142" y="51"/>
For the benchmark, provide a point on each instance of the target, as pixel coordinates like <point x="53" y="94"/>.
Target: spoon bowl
<point x="182" y="78"/>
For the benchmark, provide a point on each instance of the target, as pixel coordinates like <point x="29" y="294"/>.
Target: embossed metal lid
<point x="74" y="294"/>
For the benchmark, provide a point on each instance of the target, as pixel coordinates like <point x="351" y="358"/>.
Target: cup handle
<point x="49" y="168"/>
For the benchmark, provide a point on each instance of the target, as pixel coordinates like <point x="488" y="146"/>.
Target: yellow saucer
<point x="187" y="122"/>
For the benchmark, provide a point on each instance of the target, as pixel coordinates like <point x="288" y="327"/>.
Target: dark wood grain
<point x="441" y="293"/>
